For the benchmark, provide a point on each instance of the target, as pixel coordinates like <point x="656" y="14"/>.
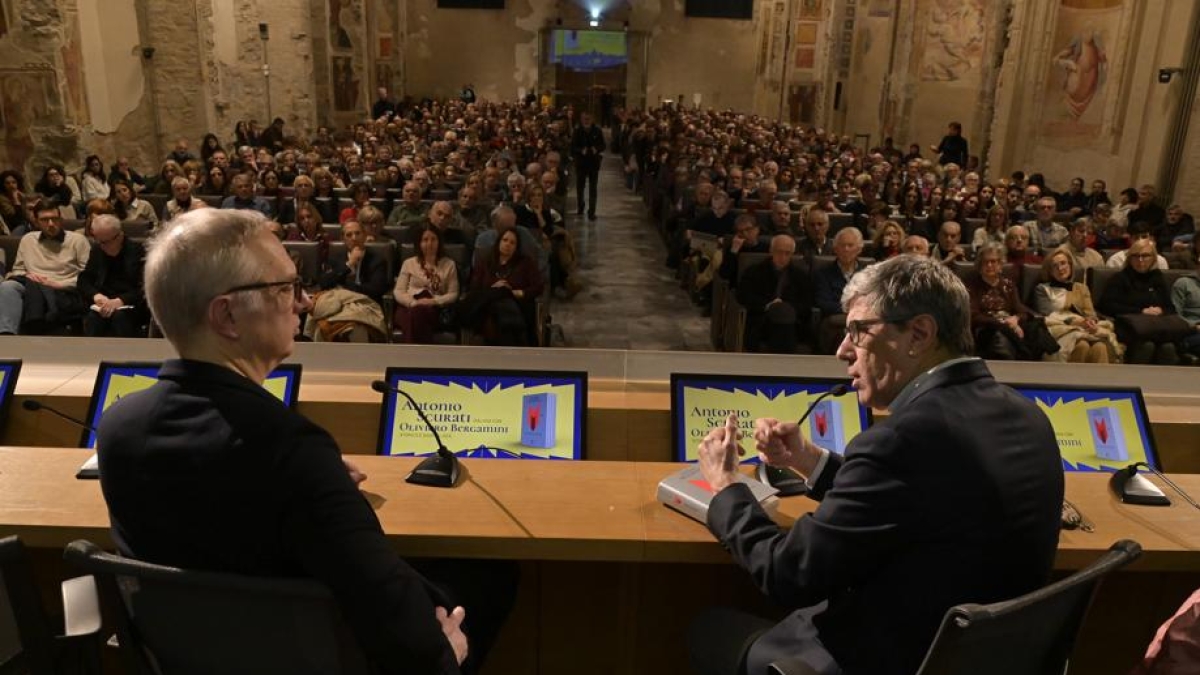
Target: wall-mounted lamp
<point x="1165" y="74"/>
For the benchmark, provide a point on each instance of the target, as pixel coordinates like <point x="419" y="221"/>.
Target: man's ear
<point x="924" y="332"/>
<point x="220" y="317"/>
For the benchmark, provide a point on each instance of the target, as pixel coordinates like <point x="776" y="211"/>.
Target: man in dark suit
<point x="206" y="470"/>
<point x="955" y="497"/>
<point x="777" y="294"/>
<point x="830" y="280"/>
<point x="587" y="144"/>
<point x="111" y="283"/>
<point x="357" y="267"/>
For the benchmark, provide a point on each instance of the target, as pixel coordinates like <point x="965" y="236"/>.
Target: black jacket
<point x="587" y="145"/>
<point x="95" y="275"/>
<point x="955" y="497"/>
<point x="206" y="470"/>
<point x="1129" y="292"/>
<point x="372" y="280"/>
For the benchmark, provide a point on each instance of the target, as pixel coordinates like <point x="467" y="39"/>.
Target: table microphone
<point x="788" y="482"/>
<point x="1132" y="488"/>
<point x="34" y="406"/>
<point x="91" y="468"/>
<point x="440" y="470"/>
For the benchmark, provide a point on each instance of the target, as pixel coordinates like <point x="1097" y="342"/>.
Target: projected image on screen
<point x="1096" y="429"/>
<point x="589" y="49"/>
<point x="501" y="414"/>
<point x="701" y="402"/>
<point x="117" y="380"/>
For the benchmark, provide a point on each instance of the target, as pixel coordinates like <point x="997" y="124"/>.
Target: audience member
<point x="39" y="295"/>
<point x="830" y="280"/>
<point x="915" y="244"/>
<point x="111" y="283"/>
<point x="998" y="317"/>
<point x="1066" y="304"/>
<point x="1085" y="256"/>
<point x="1138" y="231"/>
<point x="243" y="196"/>
<point x="128" y="207"/>
<point x="357" y="267"/>
<point x="426" y="290"/>
<point x="501" y="302"/>
<point x="1139" y="300"/>
<point x="778" y="295"/>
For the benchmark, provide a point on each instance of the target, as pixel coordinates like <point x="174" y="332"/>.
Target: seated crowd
<point x="398" y="224"/>
<point x="779" y="218"/>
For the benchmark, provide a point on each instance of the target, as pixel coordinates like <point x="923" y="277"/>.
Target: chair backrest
<point x="1032" y="634"/>
<point x="1098" y="278"/>
<point x="309" y="264"/>
<point x="26" y="644"/>
<point x="187" y="622"/>
<point x="136" y="228"/>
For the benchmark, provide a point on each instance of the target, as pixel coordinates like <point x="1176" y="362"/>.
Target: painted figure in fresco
<point x="1085" y="65"/>
<point x="954" y="40"/>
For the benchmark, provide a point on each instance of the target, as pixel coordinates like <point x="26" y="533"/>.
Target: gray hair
<point x="988" y="250"/>
<point x="107" y="222"/>
<point x="908" y="286"/>
<point x="852" y="232"/>
<point x="500" y="214"/>
<point x="192" y="259"/>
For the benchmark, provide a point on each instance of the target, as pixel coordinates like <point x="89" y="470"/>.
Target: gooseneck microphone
<point x="440" y="470"/>
<point x="788" y="482"/>
<point x="91" y="468"/>
<point x="34" y="406"/>
<point x="1132" y="488"/>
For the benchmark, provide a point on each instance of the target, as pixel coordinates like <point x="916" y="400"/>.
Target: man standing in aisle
<point x="587" y="145"/>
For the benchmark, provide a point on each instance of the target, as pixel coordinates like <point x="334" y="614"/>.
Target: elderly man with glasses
<point x="111" y="284"/>
<point x="207" y="470"/>
<point x="955" y="497"/>
<point x="1044" y="234"/>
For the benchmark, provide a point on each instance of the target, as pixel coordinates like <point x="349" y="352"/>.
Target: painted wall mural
<point x="954" y="40"/>
<point x="1078" y="84"/>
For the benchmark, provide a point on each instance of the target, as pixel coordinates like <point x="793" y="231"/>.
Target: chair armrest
<point x="81" y="607"/>
<point x="791" y="666"/>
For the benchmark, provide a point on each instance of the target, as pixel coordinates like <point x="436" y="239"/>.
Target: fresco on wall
<point x="1077" y="82"/>
<point x="345" y="84"/>
<point x="27" y="95"/>
<point x="72" y="66"/>
<point x="954" y="40"/>
<point x="810" y="9"/>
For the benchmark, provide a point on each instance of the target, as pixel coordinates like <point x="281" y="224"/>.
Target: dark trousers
<point x="125" y="323"/>
<point x="587" y="173"/>
<point x="486" y="589"/>
<point x="721" y="640"/>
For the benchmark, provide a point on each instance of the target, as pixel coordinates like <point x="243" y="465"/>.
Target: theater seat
<point x="1030" y="635"/>
<point x="191" y="622"/>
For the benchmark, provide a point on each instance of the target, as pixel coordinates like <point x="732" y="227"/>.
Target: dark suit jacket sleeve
<point x="836" y="546"/>
<point x="827" y="297"/>
<point x="384" y="601"/>
<point x="135" y="262"/>
<point x="756" y="288"/>
<point x="88" y="282"/>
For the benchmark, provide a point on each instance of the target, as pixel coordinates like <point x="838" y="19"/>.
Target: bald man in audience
<point x="410" y="211"/>
<point x="111" y="283"/>
<point x="777" y="294"/>
<point x="915" y="244"/>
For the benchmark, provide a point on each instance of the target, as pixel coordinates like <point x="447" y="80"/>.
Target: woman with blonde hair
<point x="1083" y="337"/>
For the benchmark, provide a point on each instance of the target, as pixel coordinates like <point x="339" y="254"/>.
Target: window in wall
<point x="720" y="9"/>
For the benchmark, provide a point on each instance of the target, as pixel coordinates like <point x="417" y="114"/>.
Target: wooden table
<point x="582" y="511"/>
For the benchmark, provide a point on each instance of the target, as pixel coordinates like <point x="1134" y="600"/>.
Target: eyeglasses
<point x="110" y="240"/>
<point x="297" y="287"/>
<point x="1141" y="256"/>
<point x="855" y="330"/>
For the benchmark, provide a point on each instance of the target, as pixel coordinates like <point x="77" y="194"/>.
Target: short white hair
<point x="106" y="222"/>
<point x="195" y="257"/>
<point x="853" y="232"/>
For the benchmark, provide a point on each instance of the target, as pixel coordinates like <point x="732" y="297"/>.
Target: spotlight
<point x="594" y="23"/>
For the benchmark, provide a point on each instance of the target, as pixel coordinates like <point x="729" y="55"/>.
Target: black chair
<point x="1030" y="635"/>
<point x="28" y="643"/>
<point x="171" y="621"/>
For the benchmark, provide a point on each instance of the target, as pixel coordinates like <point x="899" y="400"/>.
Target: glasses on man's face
<point x="1141" y="256"/>
<point x="106" y="242"/>
<point x="855" y="330"/>
<point x="297" y="288"/>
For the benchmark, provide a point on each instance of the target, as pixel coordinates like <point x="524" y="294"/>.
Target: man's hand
<point x="354" y="256"/>
<point x="502" y="283"/>
<point x="781" y="444"/>
<point x="43" y="280"/>
<point x="452" y="629"/>
<point x="110" y="306"/>
<point x="719" y="453"/>
<point x="356" y="474"/>
<point x="1153" y="310"/>
<point x="737" y="244"/>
